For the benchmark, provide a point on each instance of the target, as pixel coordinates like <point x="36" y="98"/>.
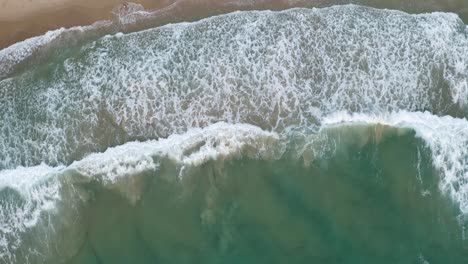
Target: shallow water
<point x="372" y="198"/>
<point x="334" y="135"/>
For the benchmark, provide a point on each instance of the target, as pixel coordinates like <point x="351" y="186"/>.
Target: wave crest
<point x="447" y="138"/>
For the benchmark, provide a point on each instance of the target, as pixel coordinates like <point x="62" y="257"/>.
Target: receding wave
<point x="132" y="17"/>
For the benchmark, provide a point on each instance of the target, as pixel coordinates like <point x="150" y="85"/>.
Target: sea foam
<point x="269" y="69"/>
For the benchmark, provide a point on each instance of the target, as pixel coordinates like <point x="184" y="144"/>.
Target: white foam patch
<point x="130" y="13"/>
<point x="19" y="52"/>
<point x="16" y="53"/>
<point x="23" y="178"/>
<point x="447" y="137"/>
<point x="32" y="192"/>
<point x="216" y="142"/>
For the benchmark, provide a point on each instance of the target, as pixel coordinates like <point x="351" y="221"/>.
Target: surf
<point x="52" y="194"/>
<point x="240" y="135"/>
<point x="165" y="80"/>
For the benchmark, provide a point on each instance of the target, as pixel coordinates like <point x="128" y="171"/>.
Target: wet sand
<point x="22" y="19"/>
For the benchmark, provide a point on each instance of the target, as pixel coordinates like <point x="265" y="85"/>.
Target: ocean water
<point x="321" y="135"/>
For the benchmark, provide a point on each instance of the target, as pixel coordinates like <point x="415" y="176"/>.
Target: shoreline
<point x="42" y="16"/>
<point x="22" y="19"/>
<point x="41" y="19"/>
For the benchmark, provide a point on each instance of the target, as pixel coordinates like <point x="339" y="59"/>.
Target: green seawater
<point x="373" y="199"/>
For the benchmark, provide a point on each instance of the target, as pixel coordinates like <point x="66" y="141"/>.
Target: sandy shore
<point x="17" y="10"/>
<point x="22" y="19"/>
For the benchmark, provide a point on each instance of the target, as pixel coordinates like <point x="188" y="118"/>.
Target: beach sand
<point x="22" y="19"/>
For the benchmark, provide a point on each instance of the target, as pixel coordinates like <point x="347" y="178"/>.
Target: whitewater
<point x="112" y="120"/>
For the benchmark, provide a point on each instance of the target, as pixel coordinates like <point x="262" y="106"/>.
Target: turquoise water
<point x="334" y="135"/>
